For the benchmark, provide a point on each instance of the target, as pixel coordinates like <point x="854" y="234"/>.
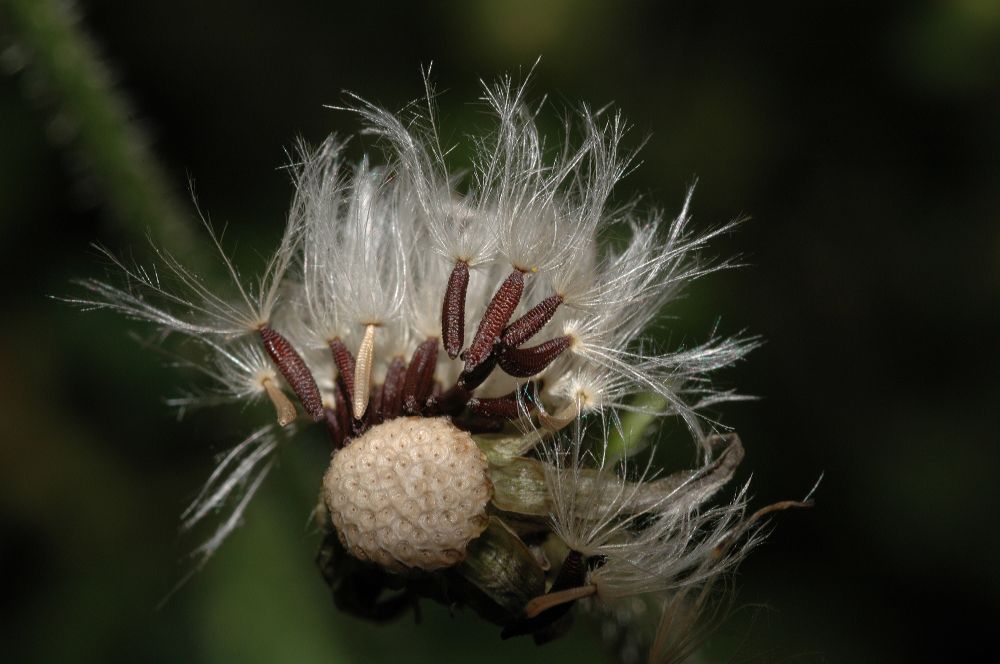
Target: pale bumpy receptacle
<point x="409" y="494"/>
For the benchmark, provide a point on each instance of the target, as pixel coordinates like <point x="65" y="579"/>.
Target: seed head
<point x="469" y="341"/>
<point x="409" y="494"/>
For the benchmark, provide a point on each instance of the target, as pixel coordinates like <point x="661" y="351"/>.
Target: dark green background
<point x="862" y="139"/>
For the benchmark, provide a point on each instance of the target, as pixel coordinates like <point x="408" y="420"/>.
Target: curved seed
<point x="345" y="363"/>
<point x="283" y="406"/>
<point x="550" y="600"/>
<point x="392" y="389"/>
<point x="453" y="309"/>
<point x="294" y="370"/>
<point x="498" y="312"/>
<point x="526" y="362"/>
<point x="333" y="428"/>
<point x="363" y="373"/>
<point x="419" y="382"/>
<point x="531" y="322"/>
<point x="507" y="406"/>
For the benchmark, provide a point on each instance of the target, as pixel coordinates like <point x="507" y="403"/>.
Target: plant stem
<point x="65" y="74"/>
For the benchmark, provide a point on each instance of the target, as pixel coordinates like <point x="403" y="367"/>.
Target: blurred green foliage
<point x="863" y="139"/>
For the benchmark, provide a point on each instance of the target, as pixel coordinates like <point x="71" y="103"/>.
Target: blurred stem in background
<point x="634" y="426"/>
<point x="62" y="71"/>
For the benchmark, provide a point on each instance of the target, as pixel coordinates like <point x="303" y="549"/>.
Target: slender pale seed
<point x="283" y="406"/>
<point x="363" y="373"/>
<point x="549" y="600"/>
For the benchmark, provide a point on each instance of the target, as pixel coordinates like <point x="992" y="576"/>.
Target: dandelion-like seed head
<point x="470" y="343"/>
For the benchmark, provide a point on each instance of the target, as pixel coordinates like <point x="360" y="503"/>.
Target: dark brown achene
<point x="419" y="381"/>
<point x="392" y="389"/>
<point x="498" y="312"/>
<point x="294" y="370"/>
<point x="527" y="362"/>
<point x="531" y="322"/>
<point x="453" y="310"/>
<point x="344" y="360"/>
<point x="507" y="406"/>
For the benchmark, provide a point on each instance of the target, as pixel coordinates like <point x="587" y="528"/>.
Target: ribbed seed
<point x="392" y="389"/>
<point x="506" y="406"/>
<point x="453" y="310"/>
<point x="333" y="427"/>
<point x="526" y="362"/>
<point x="363" y="373"/>
<point x="419" y="381"/>
<point x="531" y="322"/>
<point x="294" y="370"/>
<point x="373" y="415"/>
<point x="344" y="360"/>
<point x="498" y="312"/>
<point x="342" y="406"/>
<point x="470" y="380"/>
<point x="451" y="401"/>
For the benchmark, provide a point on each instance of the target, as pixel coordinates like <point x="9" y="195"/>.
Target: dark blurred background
<point x="862" y="139"/>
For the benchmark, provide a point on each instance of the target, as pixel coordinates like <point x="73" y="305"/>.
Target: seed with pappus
<point x="474" y="344"/>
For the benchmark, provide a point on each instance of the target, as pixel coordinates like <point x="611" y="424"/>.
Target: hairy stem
<point x="46" y="37"/>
